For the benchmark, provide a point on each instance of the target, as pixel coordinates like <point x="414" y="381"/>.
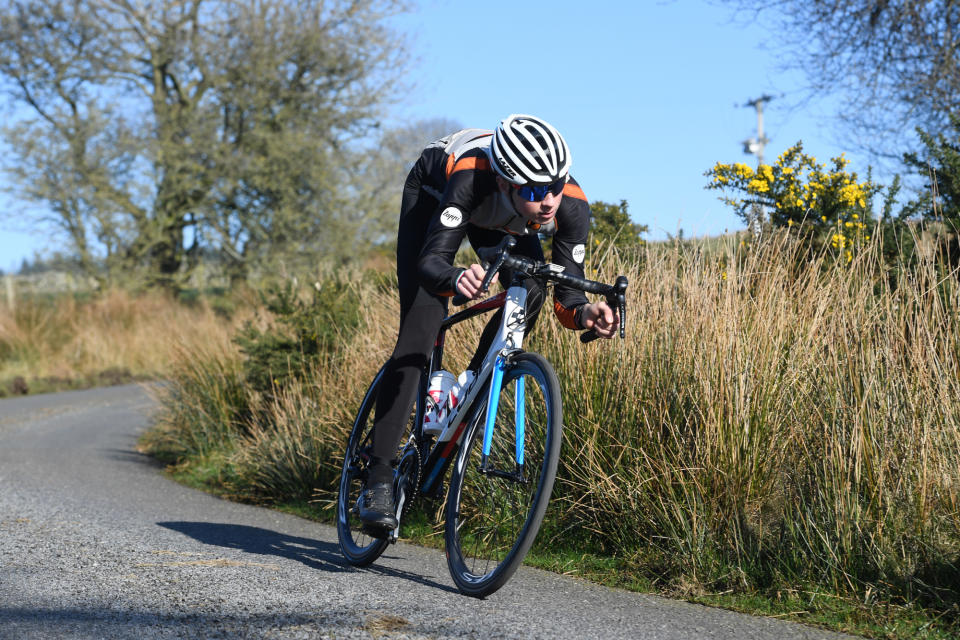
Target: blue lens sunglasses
<point x="537" y="192"/>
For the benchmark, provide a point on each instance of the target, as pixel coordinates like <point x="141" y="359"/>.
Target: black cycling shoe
<point x="377" y="508"/>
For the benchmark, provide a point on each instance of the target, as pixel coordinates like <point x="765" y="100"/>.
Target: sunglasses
<point x="537" y="192"/>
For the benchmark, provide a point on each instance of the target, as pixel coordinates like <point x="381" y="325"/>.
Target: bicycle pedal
<point x="378" y="532"/>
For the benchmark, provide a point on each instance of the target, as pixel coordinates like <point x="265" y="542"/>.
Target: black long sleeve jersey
<point x="459" y="175"/>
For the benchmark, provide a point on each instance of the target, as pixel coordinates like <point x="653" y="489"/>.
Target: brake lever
<point x="503" y="249"/>
<point x="617" y="299"/>
<point x="620" y="288"/>
<point x="492" y="271"/>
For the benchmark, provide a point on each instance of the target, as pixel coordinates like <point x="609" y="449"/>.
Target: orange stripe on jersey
<point x="574" y="191"/>
<point x="450" y="161"/>
<point x="568" y="317"/>
<point x="465" y="164"/>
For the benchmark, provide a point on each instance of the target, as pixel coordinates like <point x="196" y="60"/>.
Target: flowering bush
<point x="830" y="205"/>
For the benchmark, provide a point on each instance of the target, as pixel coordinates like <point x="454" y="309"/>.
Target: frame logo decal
<point x="517" y="320"/>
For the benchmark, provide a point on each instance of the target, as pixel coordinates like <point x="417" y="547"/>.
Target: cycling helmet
<point x="527" y="150"/>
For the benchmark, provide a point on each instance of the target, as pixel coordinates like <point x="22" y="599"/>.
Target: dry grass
<point x="766" y="423"/>
<point x="64" y="342"/>
<point x="771" y="421"/>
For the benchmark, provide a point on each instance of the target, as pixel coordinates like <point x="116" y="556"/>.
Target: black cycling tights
<point x="421" y="314"/>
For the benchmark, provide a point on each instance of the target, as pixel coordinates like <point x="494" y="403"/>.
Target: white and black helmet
<point x="527" y="150"/>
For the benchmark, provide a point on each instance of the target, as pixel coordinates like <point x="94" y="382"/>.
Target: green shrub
<point x="939" y="166"/>
<point x="306" y="332"/>
<point x="611" y="223"/>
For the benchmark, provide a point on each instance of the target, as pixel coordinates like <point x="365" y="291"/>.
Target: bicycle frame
<point x="509" y="339"/>
<point x="423" y="461"/>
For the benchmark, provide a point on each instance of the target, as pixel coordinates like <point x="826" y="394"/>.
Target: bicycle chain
<point x="410" y="455"/>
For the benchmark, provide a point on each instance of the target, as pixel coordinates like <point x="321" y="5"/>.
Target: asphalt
<point x="95" y="542"/>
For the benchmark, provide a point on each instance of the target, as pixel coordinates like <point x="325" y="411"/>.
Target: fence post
<point x="11" y="298"/>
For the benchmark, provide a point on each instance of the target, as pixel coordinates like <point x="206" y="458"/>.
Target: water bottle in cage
<point x="437" y="391"/>
<point x="458" y="392"/>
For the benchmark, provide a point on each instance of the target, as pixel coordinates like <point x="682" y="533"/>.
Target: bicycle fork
<point x="493" y="405"/>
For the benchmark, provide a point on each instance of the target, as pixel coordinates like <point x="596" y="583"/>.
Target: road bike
<point x="502" y="440"/>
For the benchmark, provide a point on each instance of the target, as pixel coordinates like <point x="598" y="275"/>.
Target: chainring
<point x="407" y="479"/>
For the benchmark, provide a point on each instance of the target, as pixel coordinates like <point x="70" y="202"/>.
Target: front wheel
<point x="495" y="507"/>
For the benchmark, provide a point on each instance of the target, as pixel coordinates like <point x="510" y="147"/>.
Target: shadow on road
<point x="42" y="622"/>
<point x="133" y="456"/>
<point x="316" y="554"/>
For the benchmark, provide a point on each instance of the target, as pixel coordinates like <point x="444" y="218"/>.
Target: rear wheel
<point x="494" y="511"/>
<point x="358" y="547"/>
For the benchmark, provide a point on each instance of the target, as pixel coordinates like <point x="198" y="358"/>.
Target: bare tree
<point x="376" y="177"/>
<point x="158" y="129"/>
<point x="895" y="63"/>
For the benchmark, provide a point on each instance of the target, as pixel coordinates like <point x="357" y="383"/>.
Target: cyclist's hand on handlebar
<point x="470" y="280"/>
<point x="600" y="317"/>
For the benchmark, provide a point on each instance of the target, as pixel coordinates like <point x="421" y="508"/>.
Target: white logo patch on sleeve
<point x="579" y="252"/>
<point x="451" y="217"/>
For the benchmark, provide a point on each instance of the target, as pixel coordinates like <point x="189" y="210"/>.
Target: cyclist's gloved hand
<point x="600" y="317"/>
<point x="469" y="281"/>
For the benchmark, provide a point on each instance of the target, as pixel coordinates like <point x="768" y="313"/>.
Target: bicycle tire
<point x="359" y="548"/>
<point x="491" y="519"/>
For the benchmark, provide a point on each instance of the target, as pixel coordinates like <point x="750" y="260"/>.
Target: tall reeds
<point x="773" y="418"/>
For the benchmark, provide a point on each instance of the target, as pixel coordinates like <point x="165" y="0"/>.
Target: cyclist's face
<point x="540" y="212"/>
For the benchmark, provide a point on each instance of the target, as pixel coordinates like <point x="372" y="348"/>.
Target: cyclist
<point x="477" y="184"/>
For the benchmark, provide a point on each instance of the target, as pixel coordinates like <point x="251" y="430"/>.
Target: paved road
<point x="96" y="543"/>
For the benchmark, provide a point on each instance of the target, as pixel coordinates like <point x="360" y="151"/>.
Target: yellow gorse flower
<point x="795" y="189"/>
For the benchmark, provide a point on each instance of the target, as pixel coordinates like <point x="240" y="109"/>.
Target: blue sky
<point x="649" y="95"/>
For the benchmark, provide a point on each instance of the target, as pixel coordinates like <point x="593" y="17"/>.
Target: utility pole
<point x="11" y="296"/>
<point x="756" y="146"/>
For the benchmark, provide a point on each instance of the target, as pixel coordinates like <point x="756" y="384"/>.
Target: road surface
<point x="95" y="542"/>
